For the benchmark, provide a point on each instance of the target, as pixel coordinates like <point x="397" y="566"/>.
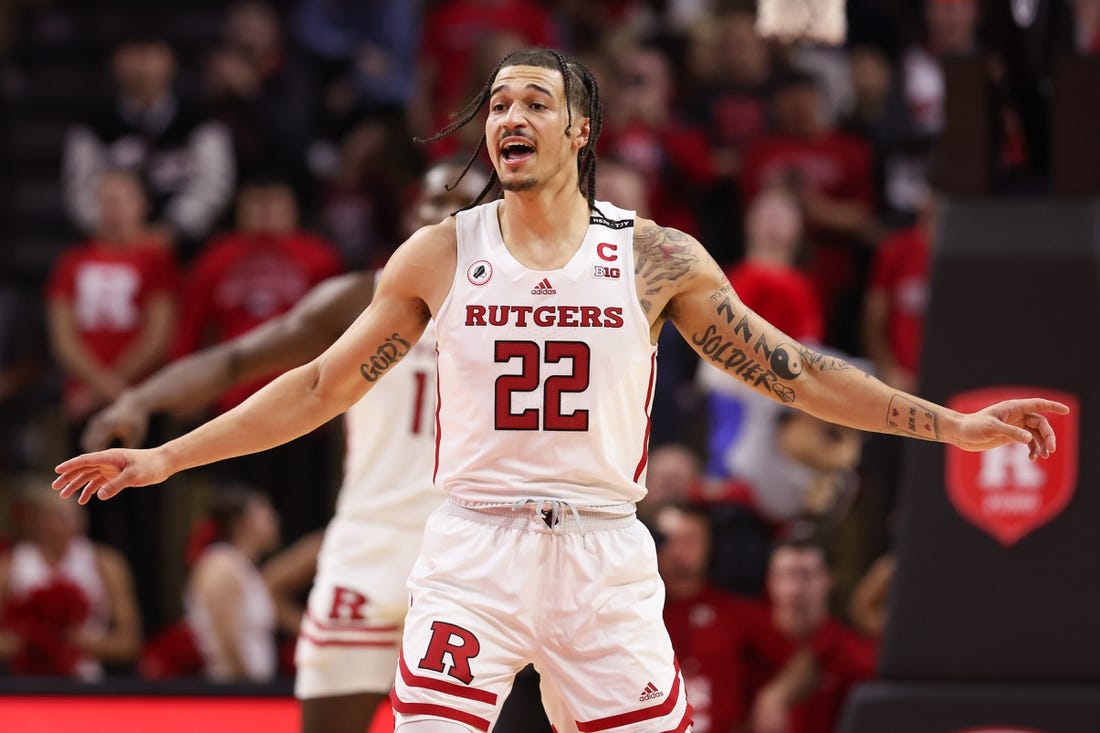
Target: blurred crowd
<point x="208" y="189"/>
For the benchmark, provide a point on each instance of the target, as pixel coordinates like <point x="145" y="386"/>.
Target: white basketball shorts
<point x="497" y="588"/>
<point x="350" y="634"/>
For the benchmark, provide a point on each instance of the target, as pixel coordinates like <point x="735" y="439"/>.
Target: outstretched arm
<point x="301" y="399"/>
<point x="680" y="281"/>
<point x="196" y="380"/>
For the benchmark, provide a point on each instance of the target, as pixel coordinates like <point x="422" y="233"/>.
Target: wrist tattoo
<point x="906" y="417"/>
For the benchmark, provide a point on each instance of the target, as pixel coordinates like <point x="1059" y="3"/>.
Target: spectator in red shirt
<point x="454" y="31"/>
<point x="733" y="102"/>
<point x="240" y="280"/>
<point x="111" y="300"/>
<point x="768" y="280"/>
<point x="254" y="273"/>
<point x="897" y="295"/>
<point x="700" y="620"/>
<point x="706" y="625"/>
<point x="674" y="159"/>
<point x="799" y="582"/>
<point x="672" y="475"/>
<point x="831" y="173"/>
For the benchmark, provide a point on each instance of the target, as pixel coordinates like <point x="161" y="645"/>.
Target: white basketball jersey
<point x="545" y="376"/>
<point x="390" y="454"/>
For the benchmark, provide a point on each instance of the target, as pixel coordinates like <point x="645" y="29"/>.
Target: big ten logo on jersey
<point x="606" y="273"/>
<point x="1002" y="491"/>
<point x="450" y="650"/>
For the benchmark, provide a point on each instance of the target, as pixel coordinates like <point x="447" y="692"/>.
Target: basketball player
<point x="547" y="306"/>
<point x="347" y="647"/>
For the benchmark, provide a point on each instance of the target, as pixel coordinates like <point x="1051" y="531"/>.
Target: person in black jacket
<point x="184" y="158"/>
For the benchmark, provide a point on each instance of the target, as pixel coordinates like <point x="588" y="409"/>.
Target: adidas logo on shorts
<point x="650" y="693"/>
<point x="543" y="288"/>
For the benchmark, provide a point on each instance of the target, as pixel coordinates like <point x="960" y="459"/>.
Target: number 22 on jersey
<point x="529" y="379"/>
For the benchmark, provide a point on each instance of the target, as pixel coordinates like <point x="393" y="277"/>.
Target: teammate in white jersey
<point x="536" y="556"/>
<point x="347" y="647"/>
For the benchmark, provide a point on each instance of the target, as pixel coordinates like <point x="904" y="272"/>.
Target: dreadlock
<point x="580" y="89"/>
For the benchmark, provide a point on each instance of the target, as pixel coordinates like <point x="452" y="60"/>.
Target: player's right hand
<point x="106" y="473"/>
<point x="123" y="420"/>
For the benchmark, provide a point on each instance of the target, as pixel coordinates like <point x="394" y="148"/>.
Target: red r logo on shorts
<point x="461" y="650"/>
<point x="347" y="605"/>
<point x="603" y="248"/>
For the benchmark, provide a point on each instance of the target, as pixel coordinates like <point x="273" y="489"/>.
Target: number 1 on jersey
<point x="418" y="400"/>
<point x="529" y="379"/>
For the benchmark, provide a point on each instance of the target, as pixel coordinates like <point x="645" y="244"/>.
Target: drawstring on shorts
<point x="551" y="511"/>
<point x="545" y="514"/>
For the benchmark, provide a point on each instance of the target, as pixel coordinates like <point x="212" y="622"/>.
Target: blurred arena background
<point x="920" y="194"/>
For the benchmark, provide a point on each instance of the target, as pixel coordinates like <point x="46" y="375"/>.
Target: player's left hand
<point x="1011" y="421"/>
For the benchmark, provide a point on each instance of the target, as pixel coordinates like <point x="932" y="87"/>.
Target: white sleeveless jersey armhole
<point x="546" y="377"/>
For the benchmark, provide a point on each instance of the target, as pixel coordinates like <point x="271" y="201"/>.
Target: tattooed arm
<point x="678" y="280"/>
<point x="303" y="398"/>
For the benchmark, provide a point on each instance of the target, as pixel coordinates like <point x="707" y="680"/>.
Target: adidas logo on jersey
<point x="544" y="288"/>
<point x="650" y="693"/>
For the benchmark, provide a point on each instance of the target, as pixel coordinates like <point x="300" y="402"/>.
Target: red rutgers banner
<point x="1002" y="491"/>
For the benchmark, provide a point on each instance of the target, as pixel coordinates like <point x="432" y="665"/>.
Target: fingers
<point x="102" y="488"/>
<point x="1012" y="432"/>
<point x="110" y="489"/>
<point x="79" y="463"/>
<point x="1045" y="441"/>
<point x="1037" y="404"/>
<point x="69" y="483"/>
<point x="105" y="460"/>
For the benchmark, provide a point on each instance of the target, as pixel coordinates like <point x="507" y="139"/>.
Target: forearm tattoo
<point x="821" y="362"/>
<point x="389" y="353"/>
<point x="748" y="354"/>
<point x="907" y="417"/>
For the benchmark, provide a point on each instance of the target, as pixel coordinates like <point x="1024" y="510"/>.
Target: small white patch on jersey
<point x="480" y="272"/>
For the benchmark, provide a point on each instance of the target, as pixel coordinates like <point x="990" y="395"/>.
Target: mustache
<point x="516" y="133"/>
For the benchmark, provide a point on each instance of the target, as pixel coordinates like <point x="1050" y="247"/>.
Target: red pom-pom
<point x="43" y="620"/>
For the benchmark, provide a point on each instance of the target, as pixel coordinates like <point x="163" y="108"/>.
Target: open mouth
<point x="516" y="151"/>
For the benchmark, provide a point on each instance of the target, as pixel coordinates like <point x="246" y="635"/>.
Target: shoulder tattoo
<point x="662" y="256"/>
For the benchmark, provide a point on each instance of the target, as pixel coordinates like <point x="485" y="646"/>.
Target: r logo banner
<point x="1001" y="491"/>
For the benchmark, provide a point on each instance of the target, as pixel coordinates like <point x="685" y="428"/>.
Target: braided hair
<point x="581" y="90"/>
